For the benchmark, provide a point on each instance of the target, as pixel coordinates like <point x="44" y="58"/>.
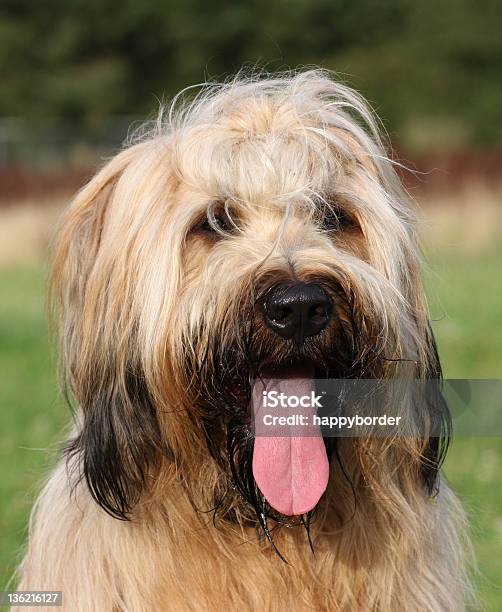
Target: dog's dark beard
<point x="346" y="352"/>
<point x="351" y="349"/>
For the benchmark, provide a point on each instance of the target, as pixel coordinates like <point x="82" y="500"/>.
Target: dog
<point x="257" y="231"/>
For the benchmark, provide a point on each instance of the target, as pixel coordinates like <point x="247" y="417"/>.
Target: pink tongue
<point x="290" y="465"/>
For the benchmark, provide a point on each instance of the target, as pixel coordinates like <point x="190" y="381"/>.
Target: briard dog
<point x="257" y="231"/>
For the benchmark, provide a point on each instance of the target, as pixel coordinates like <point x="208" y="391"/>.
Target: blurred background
<point x="74" y="76"/>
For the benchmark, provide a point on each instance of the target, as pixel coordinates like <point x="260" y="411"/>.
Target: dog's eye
<point x="216" y="224"/>
<point x="336" y="219"/>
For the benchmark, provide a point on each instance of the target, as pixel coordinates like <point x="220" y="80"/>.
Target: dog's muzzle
<point x="290" y="466"/>
<point x="297" y="311"/>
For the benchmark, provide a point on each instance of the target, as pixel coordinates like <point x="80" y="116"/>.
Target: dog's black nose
<point x="297" y="311"/>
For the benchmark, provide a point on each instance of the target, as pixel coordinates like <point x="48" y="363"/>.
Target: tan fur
<point x="132" y="285"/>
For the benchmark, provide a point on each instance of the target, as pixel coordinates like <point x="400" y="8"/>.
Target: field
<point x="464" y="252"/>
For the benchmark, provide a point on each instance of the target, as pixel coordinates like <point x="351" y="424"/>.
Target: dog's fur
<point x="159" y="265"/>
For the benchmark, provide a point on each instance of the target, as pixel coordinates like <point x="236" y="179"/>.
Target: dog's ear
<point x="92" y="292"/>
<point x="118" y="444"/>
<point x="436" y="417"/>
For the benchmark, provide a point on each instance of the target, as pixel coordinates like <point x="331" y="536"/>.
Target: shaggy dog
<point x="257" y="232"/>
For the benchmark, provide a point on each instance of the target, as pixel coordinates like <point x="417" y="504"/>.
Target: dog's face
<point x="262" y="233"/>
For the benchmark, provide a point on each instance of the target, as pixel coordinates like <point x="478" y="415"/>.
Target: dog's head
<point x="260" y="231"/>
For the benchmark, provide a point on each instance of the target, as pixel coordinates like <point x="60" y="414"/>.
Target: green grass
<point x="466" y="301"/>
<point x="31" y="413"/>
<point x="466" y="304"/>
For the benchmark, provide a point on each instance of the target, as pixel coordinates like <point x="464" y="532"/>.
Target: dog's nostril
<point x="281" y="314"/>
<point x="318" y="312"/>
<point x="297" y="311"/>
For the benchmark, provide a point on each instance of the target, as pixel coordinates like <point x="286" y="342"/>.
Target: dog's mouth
<point x="281" y="473"/>
<point x="290" y="466"/>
